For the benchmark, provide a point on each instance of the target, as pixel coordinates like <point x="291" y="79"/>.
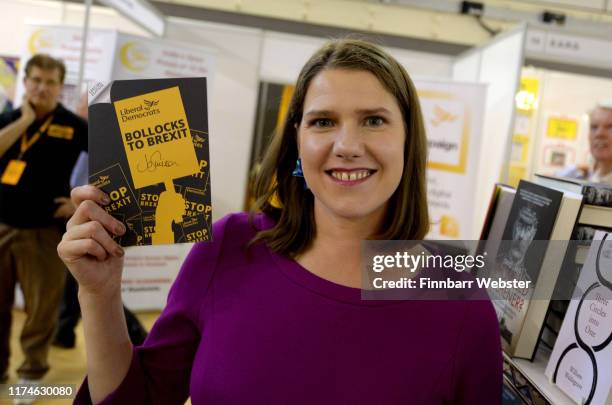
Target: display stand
<point x="526" y="378"/>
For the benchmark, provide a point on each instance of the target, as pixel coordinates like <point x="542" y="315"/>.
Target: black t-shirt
<point x="49" y="162"/>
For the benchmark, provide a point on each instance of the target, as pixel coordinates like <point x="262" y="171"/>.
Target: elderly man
<point x="600" y="141"/>
<point x="39" y="145"/>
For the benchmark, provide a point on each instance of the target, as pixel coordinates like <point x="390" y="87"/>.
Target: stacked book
<point x="526" y="234"/>
<point x="574" y="213"/>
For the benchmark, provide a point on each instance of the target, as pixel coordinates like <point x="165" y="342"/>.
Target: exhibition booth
<point x="500" y="112"/>
<point x="489" y="137"/>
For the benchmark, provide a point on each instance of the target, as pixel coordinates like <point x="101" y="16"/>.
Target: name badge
<point x="60" y="131"/>
<point x="13" y="172"/>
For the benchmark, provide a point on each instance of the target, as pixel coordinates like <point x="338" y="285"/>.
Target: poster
<point x="139" y="58"/>
<point x="8" y="80"/>
<point x="112" y="55"/>
<point x="149" y="273"/>
<point x="561" y="142"/>
<point x="453" y="115"/>
<point x="143" y="153"/>
<point x="65" y="43"/>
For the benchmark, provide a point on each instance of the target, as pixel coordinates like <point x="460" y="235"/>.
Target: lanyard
<point x="27" y="143"/>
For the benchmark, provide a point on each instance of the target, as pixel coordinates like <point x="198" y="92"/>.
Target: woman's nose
<point x="348" y="143"/>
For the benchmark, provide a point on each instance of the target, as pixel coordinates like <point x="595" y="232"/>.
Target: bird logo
<point x="148" y="104"/>
<point x="441" y="115"/>
<point x="102" y="181"/>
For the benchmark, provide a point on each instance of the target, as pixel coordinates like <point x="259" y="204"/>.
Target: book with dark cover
<point x="148" y="150"/>
<point x="497" y="212"/>
<point x="599" y="194"/>
<point x="582" y="236"/>
<point x="496" y="218"/>
<point x="520" y="256"/>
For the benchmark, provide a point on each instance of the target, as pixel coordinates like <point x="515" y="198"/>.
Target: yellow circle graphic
<point x="134" y="56"/>
<point x="38" y="40"/>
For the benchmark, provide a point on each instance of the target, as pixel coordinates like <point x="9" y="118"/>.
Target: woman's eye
<point x="322" y="123"/>
<point x="374" y="121"/>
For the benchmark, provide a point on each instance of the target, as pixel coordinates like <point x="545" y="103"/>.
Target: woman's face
<point x="351" y="142"/>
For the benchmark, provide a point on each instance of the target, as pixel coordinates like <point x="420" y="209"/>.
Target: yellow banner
<point x="562" y="128"/>
<point x="530" y="85"/>
<point x="156" y="136"/>
<point x="527" y="97"/>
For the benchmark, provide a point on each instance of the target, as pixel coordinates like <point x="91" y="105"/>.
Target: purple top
<point x="256" y="327"/>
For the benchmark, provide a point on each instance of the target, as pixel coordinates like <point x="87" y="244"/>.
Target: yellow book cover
<point x="148" y="150"/>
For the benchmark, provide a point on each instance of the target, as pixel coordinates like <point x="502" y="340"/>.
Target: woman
<point x="270" y="311"/>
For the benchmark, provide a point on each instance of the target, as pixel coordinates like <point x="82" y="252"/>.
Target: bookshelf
<point x="526" y="378"/>
<point x="529" y="377"/>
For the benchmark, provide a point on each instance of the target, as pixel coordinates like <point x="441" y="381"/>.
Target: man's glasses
<point x="38" y="81"/>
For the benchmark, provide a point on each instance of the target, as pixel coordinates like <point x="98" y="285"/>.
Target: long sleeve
<point x="160" y="369"/>
<point x="80" y="174"/>
<point x="478" y="368"/>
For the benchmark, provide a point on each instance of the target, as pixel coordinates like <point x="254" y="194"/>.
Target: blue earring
<point x="297" y="172"/>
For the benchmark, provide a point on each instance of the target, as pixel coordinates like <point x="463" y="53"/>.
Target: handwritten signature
<point x="155" y="161"/>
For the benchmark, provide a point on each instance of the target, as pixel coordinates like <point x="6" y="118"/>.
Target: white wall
<point x="232" y="104"/>
<point x="17" y="13"/>
<point x="422" y="64"/>
<point x="586" y="4"/>
<point x="498" y="65"/>
<point x="283" y="55"/>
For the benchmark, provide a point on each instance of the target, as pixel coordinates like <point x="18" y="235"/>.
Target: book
<point x="538" y="215"/>
<point x="495" y="221"/>
<point x="580" y="361"/>
<point x="148" y="150"/>
<point x="498" y="211"/>
<point x="596" y="216"/>
<point x="577" y="252"/>
<point x="599" y="194"/>
<point x="550" y="273"/>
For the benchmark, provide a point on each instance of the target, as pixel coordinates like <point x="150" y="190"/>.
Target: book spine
<point x="597" y="195"/>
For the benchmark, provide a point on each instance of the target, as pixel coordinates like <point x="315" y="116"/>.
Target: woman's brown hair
<point x="406" y="217"/>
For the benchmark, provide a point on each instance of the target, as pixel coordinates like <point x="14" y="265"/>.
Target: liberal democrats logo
<point x="148" y="104"/>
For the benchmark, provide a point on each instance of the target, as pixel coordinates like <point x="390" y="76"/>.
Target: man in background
<point x="600" y="143"/>
<point x="39" y="145"/>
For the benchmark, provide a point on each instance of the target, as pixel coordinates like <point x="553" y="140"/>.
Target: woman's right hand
<point x="87" y="248"/>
